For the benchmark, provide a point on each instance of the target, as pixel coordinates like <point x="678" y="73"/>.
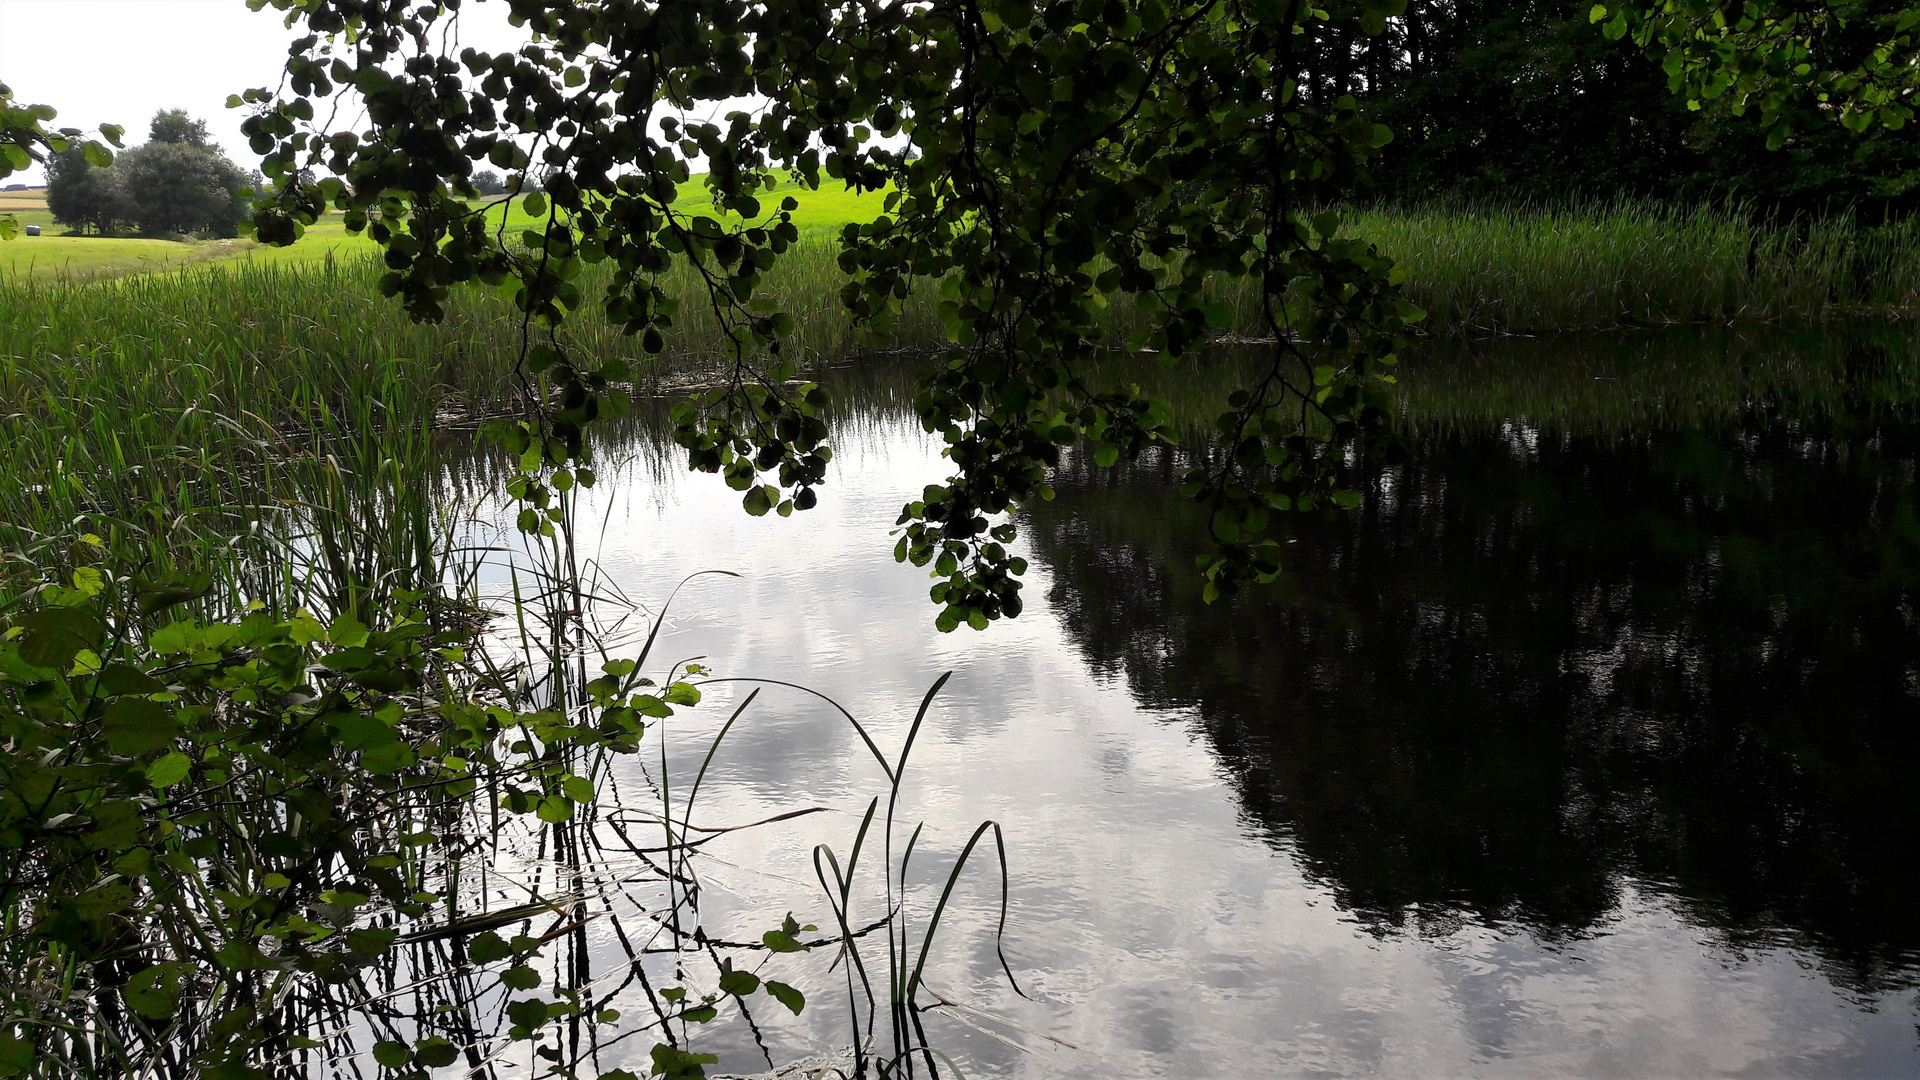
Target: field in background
<point x="23" y="201"/>
<point x="56" y="254"/>
<point x="1475" y="269"/>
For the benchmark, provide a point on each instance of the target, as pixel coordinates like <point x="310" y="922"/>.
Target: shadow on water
<point x="1638" y="610"/>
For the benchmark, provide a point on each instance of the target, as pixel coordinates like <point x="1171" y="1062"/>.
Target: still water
<point x="1588" y="746"/>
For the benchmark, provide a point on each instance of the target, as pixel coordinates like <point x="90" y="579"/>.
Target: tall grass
<point x="1531" y="269"/>
<point x="192" y="395"/>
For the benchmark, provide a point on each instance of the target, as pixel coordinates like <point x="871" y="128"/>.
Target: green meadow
<point x="1475" y="268"/>
<point x="57" y="254"/>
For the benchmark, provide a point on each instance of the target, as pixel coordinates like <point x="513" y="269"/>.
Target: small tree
<point x="488" y="182"/>
<point x="180" y="183"/>
<point x="82" y="195"/>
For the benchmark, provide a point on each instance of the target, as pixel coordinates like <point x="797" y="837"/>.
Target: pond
<point x="1587" y="746"/>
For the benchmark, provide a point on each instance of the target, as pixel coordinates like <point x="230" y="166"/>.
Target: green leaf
<point x="134" y="726"/>
<point x="169" y="770"/>
<point x="155" y="992"/>
<point x="388" y="758"/>
<point x="118" y="678"/>
<point x="176" y="637"/>
<point x="521" y="977"/>
<point x="672" y="1063"/>
<point x="89" y="580"/>
<point x="436" y="1053"/>
<point x="347" y="632"/>
<point x="372" y="940"/>
<point x="758" y="500"/>
<point x="781" y="941"/>
<point x="528" y="1012"/>
<point x="243" y="956"/>
<point x="52" y="637"/>
<point x="304" y="629"/>
<point x="158" y="594"/>
<point x="392" y="1054"/>
<point x="486" y="947"/>
<point x="787" y="996"/>
<point x="739" y="983"/>
<point x="17" y="1056"/>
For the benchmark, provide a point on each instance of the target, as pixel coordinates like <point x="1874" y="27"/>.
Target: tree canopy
<point x="178" y="182"/>
<point x="1798" y="64"/>
<point x="1039" y="162"/>
<point x="1524" y="100"/>
<point x="82" y="194"/>
<point x="175" y="126"/>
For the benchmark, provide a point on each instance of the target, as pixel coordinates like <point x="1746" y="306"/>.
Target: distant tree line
<point x="178" y="183"/>
<point x="1521" y="98"/>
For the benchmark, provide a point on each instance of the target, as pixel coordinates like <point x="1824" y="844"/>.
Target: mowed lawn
<point x="821" y="215"/>
<point x="55" y="254"/>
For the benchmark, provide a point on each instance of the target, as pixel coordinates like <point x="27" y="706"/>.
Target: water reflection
<point x="1538" y="663"/>
<point x="1584" y="748"/>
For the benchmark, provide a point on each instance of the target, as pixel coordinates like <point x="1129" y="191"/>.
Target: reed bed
<point x="1532" y="269"/>
<point x="189" y="395"/>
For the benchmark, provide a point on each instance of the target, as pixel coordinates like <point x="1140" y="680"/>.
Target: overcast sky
<point x="119" y="61"/>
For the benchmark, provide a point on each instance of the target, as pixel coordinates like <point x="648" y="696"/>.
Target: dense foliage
<point x="1797" y="65"/>
<point x="1060" y="155"/>
<point x="212" y="829"/>
<point x="1522" y="99"/>
<point x="82" y="195"/>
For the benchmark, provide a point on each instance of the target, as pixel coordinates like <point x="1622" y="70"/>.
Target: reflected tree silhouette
<point x="1538" y="665"/>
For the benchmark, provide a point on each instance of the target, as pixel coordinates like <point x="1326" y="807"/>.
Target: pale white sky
<point x="119" y="61"/>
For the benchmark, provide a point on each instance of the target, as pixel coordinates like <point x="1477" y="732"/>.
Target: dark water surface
<point x="1588" y="746"/>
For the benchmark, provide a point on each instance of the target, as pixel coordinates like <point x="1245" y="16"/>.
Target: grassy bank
<point x="187" y="402"/>
<point x="1522" y="269"/>
<point x="159" y="389"/>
